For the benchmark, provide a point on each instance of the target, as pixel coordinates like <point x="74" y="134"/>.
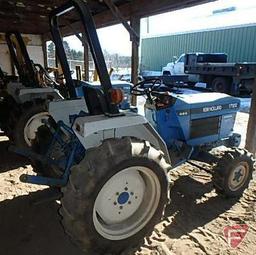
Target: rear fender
<point x="22" y="94"/>
<point x="63" y="110"/>
<point x="92" y="130"/>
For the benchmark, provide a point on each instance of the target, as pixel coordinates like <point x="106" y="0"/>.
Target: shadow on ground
<point x="32" y="229"/>
<point x="188" y="212"/>
<point x="10" y="160"/>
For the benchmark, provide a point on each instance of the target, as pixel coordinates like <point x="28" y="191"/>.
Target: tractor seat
<point x="95" y="100"/>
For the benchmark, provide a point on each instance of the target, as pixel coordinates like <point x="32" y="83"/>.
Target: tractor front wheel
<point x="115" y="196"/>
<point x="233" y="172"/>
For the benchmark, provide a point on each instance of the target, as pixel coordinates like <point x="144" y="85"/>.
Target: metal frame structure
<point x="25" y="70"/>
<point x="94" y="44"/>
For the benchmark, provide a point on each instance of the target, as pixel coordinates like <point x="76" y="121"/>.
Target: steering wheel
<point x="151" y="84"/>
<point x="146" y="87"/>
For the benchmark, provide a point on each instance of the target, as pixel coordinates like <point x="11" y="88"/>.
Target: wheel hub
<point x="238" y="176"/>
<point x="32" y="126"/>
<point x="219" y="87"/>
<point x="123" y="198"/>
<point x="126" y="202"/>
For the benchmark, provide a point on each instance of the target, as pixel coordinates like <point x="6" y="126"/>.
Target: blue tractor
<point x="193" y="122"/>
<point x="112" y="165"/>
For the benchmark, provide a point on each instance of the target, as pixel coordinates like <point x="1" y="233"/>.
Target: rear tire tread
<point x="77" y="201"/>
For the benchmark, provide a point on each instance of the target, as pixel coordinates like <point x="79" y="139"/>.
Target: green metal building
<point x="238" y="42"/>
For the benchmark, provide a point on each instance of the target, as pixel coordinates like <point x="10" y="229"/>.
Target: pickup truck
<point x="214" y="70"/>
<point x="177" y="68"/>
<point x="219" y="75"/>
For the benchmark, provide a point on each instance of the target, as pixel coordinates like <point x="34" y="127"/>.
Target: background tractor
<point x="112" y="165"/>
<point x="23" y="98"/>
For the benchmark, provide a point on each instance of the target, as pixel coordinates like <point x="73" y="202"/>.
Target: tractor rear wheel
<point x="30" y="119"/>
<point x="233" y="172"/>
<point x="115" y="196"/>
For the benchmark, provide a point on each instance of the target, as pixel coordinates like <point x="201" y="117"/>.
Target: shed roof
<point x="31" y="17"/>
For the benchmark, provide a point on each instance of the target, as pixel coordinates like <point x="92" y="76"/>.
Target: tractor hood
<point x="196" y="102"/>
<point x="194" y="117"/>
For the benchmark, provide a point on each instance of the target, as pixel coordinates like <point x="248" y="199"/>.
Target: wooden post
<point x="44" y="48"/>
<point x="250" y="144"/>
<point x="12" y="66"/>
<point x="83" y="40"/>
<point x="78" y="73"/>
<point x="86" y="61"/>
<point x="135" y="23"/>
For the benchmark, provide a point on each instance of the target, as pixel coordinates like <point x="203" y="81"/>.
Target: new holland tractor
<point x="112" y="165"/>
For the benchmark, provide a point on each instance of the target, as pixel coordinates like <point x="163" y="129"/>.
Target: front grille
<point x="204" y="127"/>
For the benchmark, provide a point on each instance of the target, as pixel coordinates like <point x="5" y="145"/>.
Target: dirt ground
<point x="194" y="223"/>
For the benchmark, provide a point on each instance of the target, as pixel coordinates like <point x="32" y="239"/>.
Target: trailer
<point x="219" y="75"/>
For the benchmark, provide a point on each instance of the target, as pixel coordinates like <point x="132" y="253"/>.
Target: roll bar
<point x="84" y="12"/>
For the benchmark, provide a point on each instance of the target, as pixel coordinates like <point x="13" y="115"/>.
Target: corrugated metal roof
<point x="238" y="42"/>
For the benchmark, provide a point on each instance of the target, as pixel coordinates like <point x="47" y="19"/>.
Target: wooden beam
<point x="29" y="27"/>
<point x="137" y="8"/>
<point x="78" y="73"/>
<point x="44" y="48"/>
<point x="86" y="58"/>
<point x="115" y="11"/>
<point x="144" y="8"/>
<point x="250" y="144"/>
<point x="135" y="23"/>
<point x="31" y="17"/>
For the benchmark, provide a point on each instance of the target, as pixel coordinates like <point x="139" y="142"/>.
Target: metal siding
<point x="239" y="43"/>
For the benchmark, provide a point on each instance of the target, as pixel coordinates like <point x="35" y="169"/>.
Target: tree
<point x="51" y="50"/>
<point x="112" y="60"/>
<point x="67" y="49"/>
<point x="77" y="55"/>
